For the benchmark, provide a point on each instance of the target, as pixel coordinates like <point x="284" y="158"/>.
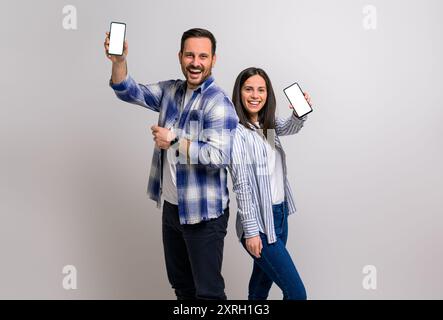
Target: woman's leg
<point x="275" y="263"/>
<point x="259" y="284"/>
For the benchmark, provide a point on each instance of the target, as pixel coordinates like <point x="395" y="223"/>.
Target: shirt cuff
<point x="250" y="228"/>
<point x="294" y="115"/>
<point x="121" y="86"/>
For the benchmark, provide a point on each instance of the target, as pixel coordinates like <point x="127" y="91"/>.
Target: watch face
<point x="174" y="141"/>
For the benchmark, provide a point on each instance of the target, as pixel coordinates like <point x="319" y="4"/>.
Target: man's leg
<point x="205" y="243"/>
<point x="176" y="256"/>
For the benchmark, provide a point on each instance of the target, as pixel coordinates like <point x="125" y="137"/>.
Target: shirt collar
<point x="201" y="88"/>
<point x="251" y="126"/>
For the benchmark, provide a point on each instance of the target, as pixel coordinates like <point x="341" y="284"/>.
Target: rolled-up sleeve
<point x="148" y="96"/>
<point x="290" y="125"/>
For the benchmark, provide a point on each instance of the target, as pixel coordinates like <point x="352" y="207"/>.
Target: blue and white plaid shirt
<point x="209" y="121"/>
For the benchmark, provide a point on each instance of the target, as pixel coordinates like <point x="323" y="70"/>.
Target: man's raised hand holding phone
<point x="119" y="68"/>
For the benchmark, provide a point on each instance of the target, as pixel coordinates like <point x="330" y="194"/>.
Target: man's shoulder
<point x="215" y="92"/>
<point x="171" y="84"/>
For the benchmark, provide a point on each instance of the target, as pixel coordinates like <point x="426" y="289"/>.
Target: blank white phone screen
<point x="117" y="37"/>
<point x="297" y="100"/>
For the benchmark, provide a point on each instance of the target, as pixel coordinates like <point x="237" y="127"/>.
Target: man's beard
<point x="187" y="72"/>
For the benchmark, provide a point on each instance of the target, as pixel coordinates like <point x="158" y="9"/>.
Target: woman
<point x="264" y="197"/>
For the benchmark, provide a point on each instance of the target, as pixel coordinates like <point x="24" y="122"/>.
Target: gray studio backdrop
<point x="366" y="169"/>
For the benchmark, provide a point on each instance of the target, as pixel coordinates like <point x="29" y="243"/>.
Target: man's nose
<point x="195" y="62"/>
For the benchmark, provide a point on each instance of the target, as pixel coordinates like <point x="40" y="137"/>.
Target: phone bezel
<point x="124" y="38"/>
<point x="284" y="91"/>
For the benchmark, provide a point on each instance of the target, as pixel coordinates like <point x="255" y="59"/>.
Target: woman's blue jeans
<point x="275" y="263"/>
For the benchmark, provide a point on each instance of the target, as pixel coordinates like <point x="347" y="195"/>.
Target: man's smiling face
<point x="196" y="61"/>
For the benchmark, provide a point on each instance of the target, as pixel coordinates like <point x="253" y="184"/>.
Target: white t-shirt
<point x="276" y="177"/>
<point x="169" y="188"/>
<point x="276" y="174"/>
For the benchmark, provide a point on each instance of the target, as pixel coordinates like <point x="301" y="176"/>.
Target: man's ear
<point x="180" y="54"/>
<point x="214" y="59"/>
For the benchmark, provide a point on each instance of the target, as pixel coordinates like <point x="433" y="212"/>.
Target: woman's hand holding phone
<point x="307" y="97"/>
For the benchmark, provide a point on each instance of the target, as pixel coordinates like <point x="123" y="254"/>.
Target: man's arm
<point x="213" y="146"/>
<point x="126" y="89"/>
<point x="119" y="66"/>
<point x="119" y="71"/>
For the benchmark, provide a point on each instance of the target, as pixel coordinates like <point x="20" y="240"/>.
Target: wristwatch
<point x="174" y="141"/>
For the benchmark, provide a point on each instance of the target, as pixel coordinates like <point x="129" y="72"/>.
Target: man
<point x="195" y="126"/>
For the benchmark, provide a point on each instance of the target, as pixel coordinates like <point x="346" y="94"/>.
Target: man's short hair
<point x="198" y="33"/>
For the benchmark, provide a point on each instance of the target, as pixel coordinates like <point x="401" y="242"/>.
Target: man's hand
<point x="162" y="137"/>
<point x="119" y="68"/>
<point x="115" y="59"/>
<point x="254" y="246"/>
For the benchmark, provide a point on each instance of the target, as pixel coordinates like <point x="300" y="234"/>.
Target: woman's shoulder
<point x="242" y="131"/>
<point x="245" y="129"/>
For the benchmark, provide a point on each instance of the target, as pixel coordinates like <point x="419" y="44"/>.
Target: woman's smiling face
<point x="253" y="96"/>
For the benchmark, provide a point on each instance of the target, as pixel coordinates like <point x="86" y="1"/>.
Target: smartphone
<point x="116" y="38"/>
<point x="297" y="99"/>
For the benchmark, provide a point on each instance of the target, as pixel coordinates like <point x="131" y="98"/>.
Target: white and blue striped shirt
<point x="251" y="181"/>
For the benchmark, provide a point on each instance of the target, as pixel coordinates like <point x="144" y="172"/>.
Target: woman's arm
<point x="238" y="167"/>
<point x="288" y="126"/>
<point x="291" y="125"/>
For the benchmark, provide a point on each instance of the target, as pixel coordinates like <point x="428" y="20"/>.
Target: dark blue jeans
<point x="194" y="255"/>
<point x="275" y="263"/>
